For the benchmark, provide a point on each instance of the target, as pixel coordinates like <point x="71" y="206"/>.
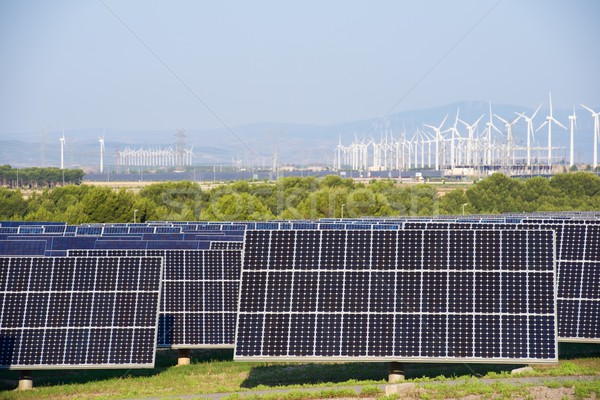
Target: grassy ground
<point x="214" y="372"/>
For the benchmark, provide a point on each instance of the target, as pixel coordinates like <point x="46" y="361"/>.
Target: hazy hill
<point x="296" y="143"/>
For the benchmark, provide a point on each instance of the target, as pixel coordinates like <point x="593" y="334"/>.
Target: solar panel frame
<point x="63" y="328"/>
<point x="262" y="328"/>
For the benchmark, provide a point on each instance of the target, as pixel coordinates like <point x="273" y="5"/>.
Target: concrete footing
<point x="183" y="357"/>
<point x="521" y="370"/>
<point x="25" y="381"/>
<point x="395" y="372"/>
<point x="403" y="390"/>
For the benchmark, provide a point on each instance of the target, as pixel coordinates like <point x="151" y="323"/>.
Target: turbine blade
<point x="587" y="108"/>
<point x="541" y="126"/>
<point x="500" y="118"/>
<point x="536" y="111"/>
<point x="443" y="121"/>
<point x="558" y="123"/>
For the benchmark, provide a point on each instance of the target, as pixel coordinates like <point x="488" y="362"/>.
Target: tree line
<point x="299" y="198"/>
<point x="35" y="177"/>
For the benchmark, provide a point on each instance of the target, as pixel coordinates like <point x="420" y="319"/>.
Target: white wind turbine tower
<point x="509" y="135"/>
<point x="423" y="136"/>
<point x="488" y="150"/>
<point x="455" y="135"/>
<point x="572" y="119"/>
<point x="470" y="130"/>
<point x="62" y="150"/>
<point x="529" y="121"/>
<point x="438" y="138"/>
<point x="549" y="120"/>
<point x="101" y="140"/>
<point x="596" y="134"/>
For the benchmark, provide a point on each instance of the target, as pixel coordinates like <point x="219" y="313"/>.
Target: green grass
<point x="297" y="395"/>
<point x="214" y="372"/>
<point x="472" y="387"/>
<point x="371" y="391"/>
<point x="584" y="390"/>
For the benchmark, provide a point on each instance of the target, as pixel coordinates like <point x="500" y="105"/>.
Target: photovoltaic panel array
<point x="578" y="258"/>
<point x="578" y="272"/>
<point x="409" y="295"/>
<point x="67" y="312"/>
<point x="199" y="298"/>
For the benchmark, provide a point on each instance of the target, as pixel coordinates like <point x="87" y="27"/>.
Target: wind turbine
<point x="529" y="121"/>
<point x="549" y="120"/>
<point x="452" y="140"/>
<point x="572" y="119"/>
<point x="509" y="135"/>
<point x="596" y="134"/>
<point x="62" y="150"/>
<point x="438" y="137"/>
<point x="490" y="125"/>
<point x="415" y="142"/>
<point x="470" y="129"/>
<point x="423" y="136"/>
<point x="101" y="140"/>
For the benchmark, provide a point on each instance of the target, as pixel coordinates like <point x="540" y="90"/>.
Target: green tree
<point x="12" y="204"/>
<point x="495" y="194"/>
<point x="102" y="204"/>
<point x="236" y="207"/>
<point x="452" y="202"/>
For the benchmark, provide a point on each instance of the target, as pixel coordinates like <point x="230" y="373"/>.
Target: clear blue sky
<point x="315" y="62"/>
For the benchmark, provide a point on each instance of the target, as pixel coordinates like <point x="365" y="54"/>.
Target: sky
<point x="206" y="64"/>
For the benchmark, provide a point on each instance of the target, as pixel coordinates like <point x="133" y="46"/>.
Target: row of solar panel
<point x="167" y="227"/>
<point x="563" y="249"/>
<point x="566" y="331"/>
<point x="210" y="321"/>
<point x="223" y="324"/>
<point x="34" y="245"/>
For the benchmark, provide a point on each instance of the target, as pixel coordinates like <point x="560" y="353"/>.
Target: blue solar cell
<point x="22" y="247"/>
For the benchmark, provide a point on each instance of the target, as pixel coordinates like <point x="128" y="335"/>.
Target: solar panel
<point x="78" y="312"/>
<point x="199" y="298"/>
<point x="226" y="245"/>
<point x="412" y="295"/>
<point x="22" y="247"/>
